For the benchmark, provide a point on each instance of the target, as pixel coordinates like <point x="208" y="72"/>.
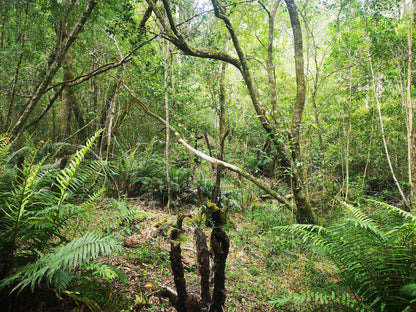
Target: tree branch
<point x="214" y="160"/>
<point x="181" y="44"/>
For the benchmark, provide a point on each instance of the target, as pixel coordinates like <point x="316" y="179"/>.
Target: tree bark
<point x="203" y="264"/>
<point x="386" y="150"/>
<point x="67" y="100"/>
<point x="411" y="137"/>
<point x="178" y="276"/>
<point x="220" y="245"/>
<point x="269" y="61"/>
<point x="304" y="208"/>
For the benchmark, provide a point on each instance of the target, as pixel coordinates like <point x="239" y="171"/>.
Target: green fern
<point x="55" y="268"/>
<point x="33" y="217"/>
<point x="339" y="301"/>
<point x="125" y="216"/>
<point x="66" y="176"/>
<point x="105" y="271"/>
<point x="375" y="259"/>
<point x="5" y="145"/>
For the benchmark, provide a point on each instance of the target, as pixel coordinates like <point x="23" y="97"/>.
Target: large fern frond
<point x="50" y="268"/>
<point x="401" y="212"/>
<point x="66" y="176"/>
<point x="363" y="221"/>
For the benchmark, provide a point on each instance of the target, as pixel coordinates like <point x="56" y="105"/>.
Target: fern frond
<point x="363" y="221"/>
<point x="308" y="232"/>
<point x="336" y="300"/>
<point x="65" y="177"/>
<point x="50" y="267"/>
<point x="125" y="216"/>
<point x="92" y="199"/>
<point x="105" y="271"/>
<point x="5" y="144"/>
<point x="401" y="212"/>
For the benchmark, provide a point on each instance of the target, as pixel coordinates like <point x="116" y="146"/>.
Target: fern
<point x="5" y="145"/>
<point x="125" y="216"/>
<point x="339" y="301"/>
<point x="375" y="259"/>
<point x="32" y="218"/>
<point x="92" y="199"/>
<point x="66" y="176"/>
<point x="54" y="268"/>
<point x="105" y="271"/>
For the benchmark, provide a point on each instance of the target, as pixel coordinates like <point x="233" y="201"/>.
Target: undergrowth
<point x="374" y="250"/>
<point x="40" y="203"/>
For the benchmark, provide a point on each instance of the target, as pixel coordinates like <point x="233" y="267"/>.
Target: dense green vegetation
<point x="129" y="127"/>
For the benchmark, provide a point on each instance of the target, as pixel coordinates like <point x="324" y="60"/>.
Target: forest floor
<point x="261" y="266"/>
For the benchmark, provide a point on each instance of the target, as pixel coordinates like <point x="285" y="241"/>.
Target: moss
<point x="215" y="216"/>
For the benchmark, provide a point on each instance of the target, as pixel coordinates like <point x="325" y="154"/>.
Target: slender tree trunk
<point x="386" y="150"/>
<point x="105" y="114"/>
<point x="349" y="129"/>
<point x="269" y="61"/>
<point x="167" y="155"/>
<point x="111" y="115"/>
<point x="216" y="192"/>
<point x="369" y="149"/>
<point x="411" y="148"/>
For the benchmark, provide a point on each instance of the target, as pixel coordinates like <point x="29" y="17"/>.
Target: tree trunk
<point x="386" y="150"/>
<point x="220" y="245"/>
<point x="203" y="264"/>
<point x="67" y="100"/>
<point x="349" y="130"/>
<point x="216" y="192"/>
<point x="304" y="213"/>
<point x="411" y="148"/>
<point x="178" y="276"/>
<point x="105" y="114"/>
<point x="167" y="129"/>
